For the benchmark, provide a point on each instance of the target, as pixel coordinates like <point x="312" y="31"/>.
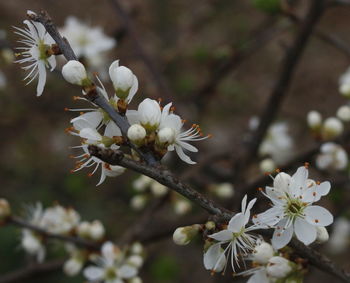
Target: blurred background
<point x="217" y="60"/>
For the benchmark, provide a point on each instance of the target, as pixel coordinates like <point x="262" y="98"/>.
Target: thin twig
<point x="94" y="96"/>
<point x="22" y="275"/>
<point x="65" y="238"/>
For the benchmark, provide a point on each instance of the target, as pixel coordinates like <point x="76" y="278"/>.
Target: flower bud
<point x="183" y="235"/>
<point x="267" y="165"/>
<point x="74" y="72"/>
<point x="83" y="229"/>
<point x="72" y="266"/>
<point x="97" y="230"/>
<point x="332" y="127"/>
<point x="223" y="190"/>
<point x="344" y="89"/>
<point x="149" y="114"/>
<point x="278" y="267"/>
<point x="136" y="248"/>
<point x="138" y="202"/>
<point x="5" y="209"/>
<point x="210" y="225"/>
<point x="135" y="280"/>
<point x="136" y="133"/>
<point x="181" y="207"/>
<point x="262" y="253"/>
<point x="314" y="119"/>
<point x="166" y="136"/>
<point x="343" y="113"/>
<point x="135" y="260"/>
<point x="322" y="234"/>
<point x="124" y="81"/>
<point x="158" y="189"/>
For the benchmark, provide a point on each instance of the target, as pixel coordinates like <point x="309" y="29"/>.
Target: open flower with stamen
<point x="112" y="266"/>
<point x="36" y="52"/>
<point x="240" y="243"/>
<point x="292" y="209"/>
<point x="171" y="134"/>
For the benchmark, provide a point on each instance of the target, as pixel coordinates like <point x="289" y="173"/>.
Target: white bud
<point x="141" y="183"/>
<point x="182" y="207"/>
<point x="332" y="127"/>
<point x="138" y="202"/>
<point x="166" y="135"/>
<point x="314" y="119"/>
<point x="262" y="253"/>
<point x="267" y="165"/>
<point x="322" y="234"/>
<point x="149" y="114"/>
<point x="135" y="280"/>
<point x="136" y="248"/>
<point x="72" y="266"/>
<point x="183" y="235"/>
<point x="135" y="260"/>
<point x="136" y="133"/>
<point x="74" y="72"/>
<point x="223" y="190"/>
<point x="343" y="113"/>
<point x="210" y="225"/>
<point x="5" y="209"/>
<point x="97" y="230"/>
<point x="344" y="89"/>
<point x="83" y="229"/>
<point x="278" y="267"/>
<point x="158" y="189"/>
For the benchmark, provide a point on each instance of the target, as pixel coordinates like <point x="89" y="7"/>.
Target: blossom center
<point x="294" y="208"/>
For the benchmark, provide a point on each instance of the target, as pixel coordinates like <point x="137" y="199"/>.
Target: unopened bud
<point x="183" y="235"/>
<point x="135" y="280"/>
<point x="267" y="165"/>
<point x="314" y="119"/>
<point x="124" y="81"/>
<point x="138" y="202"/>
<point x="74" y="72"/>
<point x="135" y="260"/>
<point x="136" y="133"/>
<point x="158" y="189"/>
<point x="223" y="190"/>
<point x="72" y="266"/>
<point x="83" y="229"/>
<point x="136" y="248"/>
<point x="166" y="136"/>
<point x="343" y="113"/>
<point x="278" y="267"/>
<point x="262" y="253"/>
<point x="5" y="209"/>
<point x="332" y="127"/>
<point x="97" y="230"/>
<point x="322" y="234"/>
<point x="182" y="207"/>
<point x="344" y="89"/>
<point x="210" y="225"/>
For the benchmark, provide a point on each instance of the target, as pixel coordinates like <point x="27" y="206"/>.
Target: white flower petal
<point x="222" y="236"/>
<point x="214" y="258"/>
<point x="236" y="223"/>
<point x="305" y="231"/>
<point x="127" y="271"/>
<point x="93" y="273"/>
<point x="42" y="78"/>
<point x="281" y="237"/>
<point x="317" y="215"/>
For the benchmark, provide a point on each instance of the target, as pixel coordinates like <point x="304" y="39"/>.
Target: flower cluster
<point x="115" y="264"/>
<point x="153" y="128"/>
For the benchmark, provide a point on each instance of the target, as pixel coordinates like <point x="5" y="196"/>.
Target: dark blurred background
<point x="187" y="41"/>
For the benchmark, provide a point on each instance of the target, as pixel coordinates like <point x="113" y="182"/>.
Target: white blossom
<point x="343" y="113"/>
<point x="138" y="202"/>
<point x="74" y="72"/>
<point x="111" y="267"/>
<point x="223" y="190"/>
<point x="97" y="230"/>
<point x="86" y="41"/>
<point x="278" y="144"/>
<point x="293" y="211"/>
<point x="124" y="81"/>
<point x="314" y="119"/>
<point x="332" y="127"/>
<point x="278" y="267"/>
<point x="182" y="206"/>
<point x="262" y="252"/>
<point x="332" y="156"/>
<point x="344" y="83"/>
<point x="73" y="266"/>
<point x="340" y="236"/>
<point x="267" y="165"/>
<point x="136" y="133"/>
<point x="236" y="237"/>
<point x="158" y="189"/>
<point x="35" y="52"/>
